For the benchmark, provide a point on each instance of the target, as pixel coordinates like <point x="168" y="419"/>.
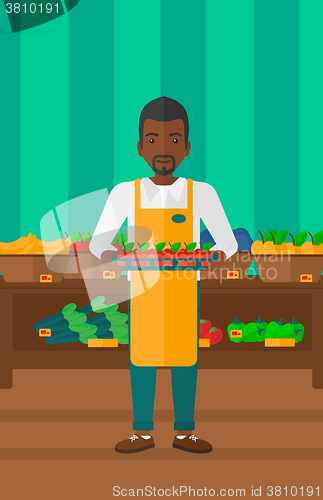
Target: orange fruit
<point x="257" y="247"/>
<point x="307" y="248"/>
<point x="318" y="249"/>
<point x="291" y="249"/>
<point x="282" y="249"/>
<point x="269" y="248"/>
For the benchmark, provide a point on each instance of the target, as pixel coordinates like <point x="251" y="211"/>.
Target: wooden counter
<point x="22" y="304"/>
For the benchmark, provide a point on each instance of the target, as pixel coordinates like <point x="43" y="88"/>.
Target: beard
<point x="163" y="171"/>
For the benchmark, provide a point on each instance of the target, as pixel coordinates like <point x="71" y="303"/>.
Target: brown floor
<point x="59" y="428"/>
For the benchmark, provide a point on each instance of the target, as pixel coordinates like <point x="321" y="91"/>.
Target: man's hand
<point x="111" y="266"/>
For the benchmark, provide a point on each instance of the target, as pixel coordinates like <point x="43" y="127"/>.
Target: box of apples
<point x="175" y="257"/>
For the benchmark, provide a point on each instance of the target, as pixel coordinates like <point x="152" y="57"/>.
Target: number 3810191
<point x="33" y="8"/>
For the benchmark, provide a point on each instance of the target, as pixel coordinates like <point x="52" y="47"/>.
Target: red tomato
<point x="215" y="335"/>
<point x="205" y="326"/>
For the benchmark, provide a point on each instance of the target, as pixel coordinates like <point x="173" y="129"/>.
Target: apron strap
<point x="137" y="196"/>
<point x="190" y="195"/>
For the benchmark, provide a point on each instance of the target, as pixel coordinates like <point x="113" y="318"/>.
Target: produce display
<point x="259" y="330"/>
<point x="207" y="331"/>
<point x="174" y="256"/>
<point x="273" y="242"/>
<point x="30" y="245"/>
<point x="72" y="325"/>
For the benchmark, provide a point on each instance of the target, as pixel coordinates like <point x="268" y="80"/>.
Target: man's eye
<point x="175" y="140"/>
<point x="151" y="141"/>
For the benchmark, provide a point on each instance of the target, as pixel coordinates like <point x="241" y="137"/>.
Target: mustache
<point x="163" y="171"/>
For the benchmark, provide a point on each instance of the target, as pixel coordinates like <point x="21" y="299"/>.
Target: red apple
<point x="180" y="254"/>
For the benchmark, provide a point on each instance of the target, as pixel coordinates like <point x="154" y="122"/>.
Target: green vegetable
<point x="129" y="247"/>
<point x="71" y="317"/>
<point x="81" y="329"/>
<point x="176" y="246"/>
<point x="191" y="247"/>
<point x="300" y="238"/>
<point x="90" y="330"/>
<point x="254" y="332"/>
<point x="110" y="311"/>
<point x="160" y="247"/>
<point x="318" y="238"/>
<point x="273" y="329"/>
<point x="97" y="302"/>
<point x="123" y="341"/>
<point x="145" y="246"/>
<point x="69" y="308"/>
<point x="79" y="319"/>
<point x="207" y="246"/>
<point x="293" y="330"/>
<point x="268" y="237"/>
<point x="298" y="330"/>
<point x="118" y="320"/>
<point x="119" y="331"/>
<point x="249" y="333"/>
<point x="280" y="237"/>
<point x="235" y="325"/>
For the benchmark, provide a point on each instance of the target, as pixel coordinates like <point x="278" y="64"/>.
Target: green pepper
<point x="298" y="330"/>
<point x="235" y="325"/>
<point x="286" y="332"/>
<point x="250" y="333"/>
<point x="261" y="329"/>
<point x="273" y="328"/>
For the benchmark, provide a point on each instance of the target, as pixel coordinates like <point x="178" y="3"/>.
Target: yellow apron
<point x="163" y="307"/>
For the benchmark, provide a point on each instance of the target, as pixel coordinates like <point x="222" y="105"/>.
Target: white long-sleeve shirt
<point x="206" y="206"/>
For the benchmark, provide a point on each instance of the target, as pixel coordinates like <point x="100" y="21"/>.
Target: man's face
<point x="163" y="146"/>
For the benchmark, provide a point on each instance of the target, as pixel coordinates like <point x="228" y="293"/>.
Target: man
<point x="164" y="317"/>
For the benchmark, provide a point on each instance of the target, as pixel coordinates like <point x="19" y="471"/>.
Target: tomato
<point x="205" y="326"/>
<point x="215" y="335"/>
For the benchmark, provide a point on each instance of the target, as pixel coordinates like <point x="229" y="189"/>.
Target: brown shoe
<point x="135" y="444"/>
<point x="192" y="444"/>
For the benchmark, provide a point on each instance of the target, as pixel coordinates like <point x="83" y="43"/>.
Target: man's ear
<point x="139" y="148"/>
<point x="188" y="149"/>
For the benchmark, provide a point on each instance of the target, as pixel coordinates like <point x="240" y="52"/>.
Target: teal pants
<point x="143" y="387"/>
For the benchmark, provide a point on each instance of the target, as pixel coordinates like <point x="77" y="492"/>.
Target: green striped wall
<point x="311" y="115"/>
<point x="277" y="115"/>
<point x="249" y="74"/>
<point x="183" y="73"/>
<point x="9" y="131"/>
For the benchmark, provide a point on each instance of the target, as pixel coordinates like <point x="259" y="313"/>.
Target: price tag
<point x="45" y="332"/>
<point x="109" y="275"/>
<point x="236" y="333"/>
<point x="306" y="278"/>
<point x="233" y="275"/>
<point x="46" y="278"/>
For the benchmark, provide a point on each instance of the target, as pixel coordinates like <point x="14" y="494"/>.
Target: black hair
<point x="163" y="109"/>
